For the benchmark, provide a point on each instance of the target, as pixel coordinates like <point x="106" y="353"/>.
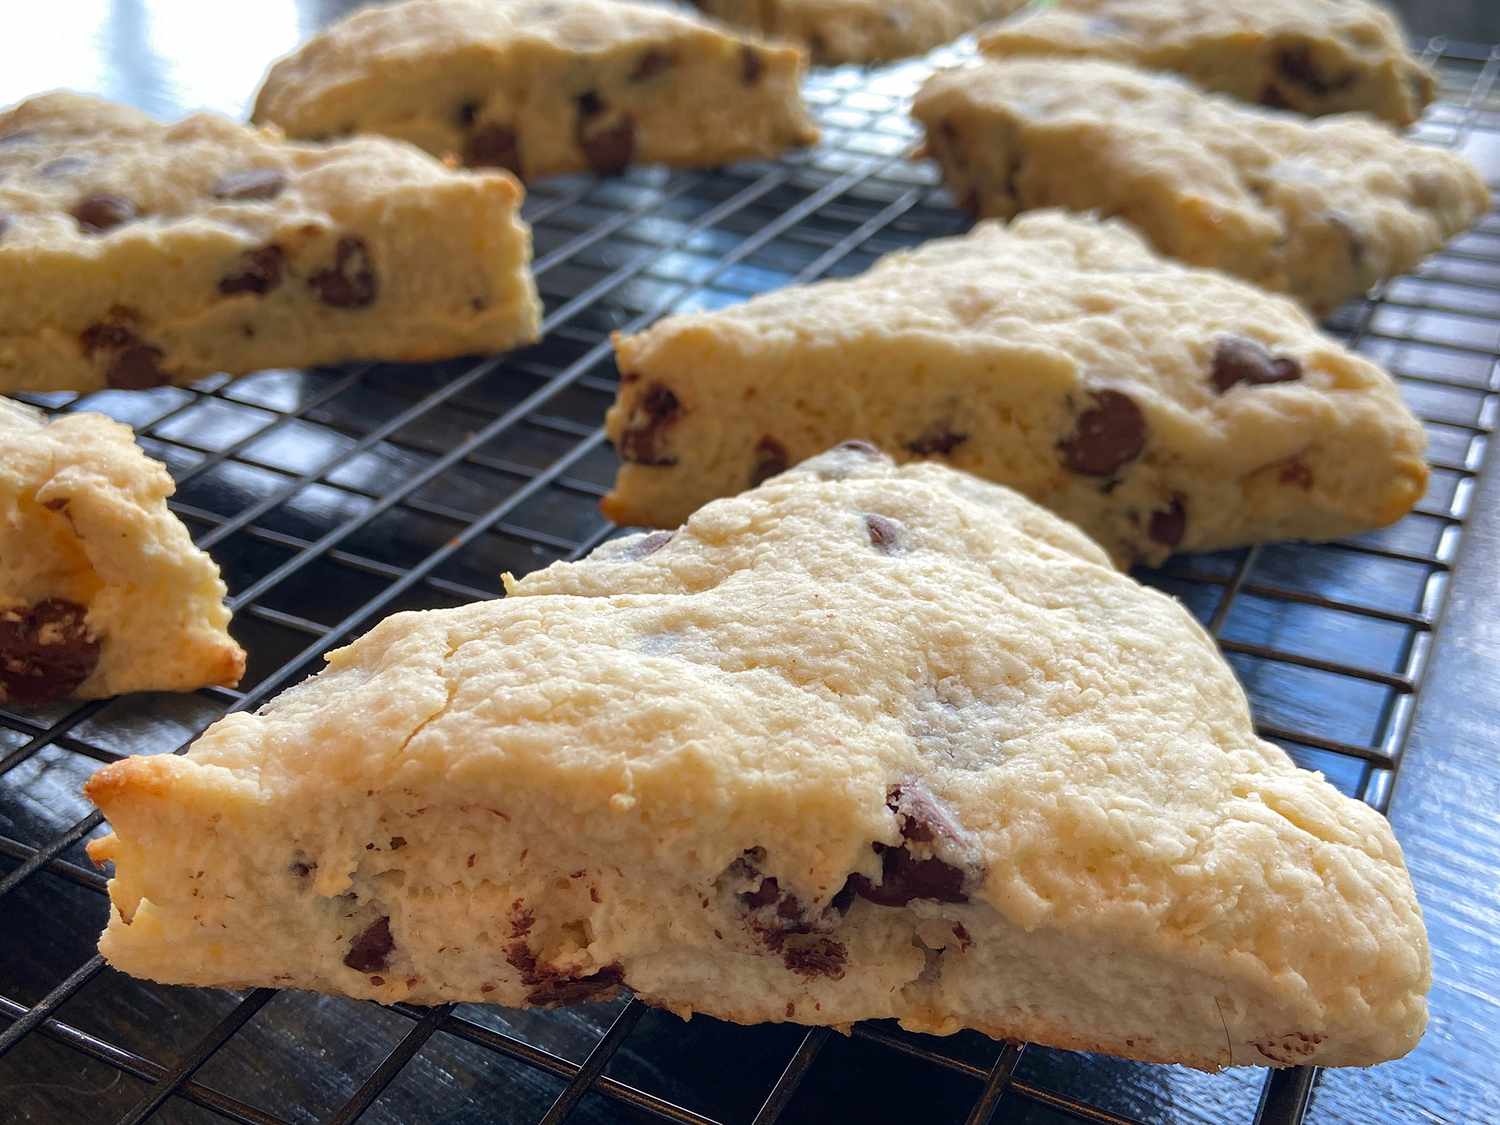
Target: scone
<point x="101" y="588"/>
<point x="134" y="254"/>
<point x="543" y="87"/>
<point x="1313" y="56"/>
<point x="1319" y="209"/>
<point x="865" y="742"/>
<point x="844" y="31"/>
<point x="1159" y="407"/>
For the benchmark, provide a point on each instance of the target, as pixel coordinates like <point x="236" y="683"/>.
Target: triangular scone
<point x="1321" y="209"/>
<point x="866" y="741"/>
<point x="845" y="31"/>
<point x="1158" y="407"/>
<point x="135" y="253"/>
<point x="1313" y="56"/>
<point x="101" y="588"/>
<point x="544" y="86"/>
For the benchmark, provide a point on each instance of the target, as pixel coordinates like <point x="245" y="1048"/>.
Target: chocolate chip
<point x="642" y="439"/>
<point x="468" y="113"/>
<point x="937" y="439"/>
<point x="590" y="104"/>
<point x="885" y="534"/>
<point x="770" y="459"/>
<point x="1272" y="98"/>
<point x="257" y="271"/>
<point x="1295" y="64"/>
<point x="819" y="957"/>
<point x="1167" y="525"/>
<point x="252" y="183"/>
<point x="397" y="843"/>
<point x="1296" y="473"/>
<point x="370" y="951"/>
<point x="764" y="895"/>
<point x="1240" y="360"/>
<point x="610" y="150"/>
<point x="905" y="878"/>
<point x="1109" y="434"/>
<point x="301" y="870"/>
<point x="652" y="63"/>
<point x="494" y="146"/>
<point x="134" y="366"/>
<point x="46" y="652"/>
<point x="99" y="213"/>
<point x="751" y="65"/>
<point x="351" y="283"/>
<point x="575" y="990"/>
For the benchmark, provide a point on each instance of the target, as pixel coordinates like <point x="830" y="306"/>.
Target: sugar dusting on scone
<point x="867" y="741"/>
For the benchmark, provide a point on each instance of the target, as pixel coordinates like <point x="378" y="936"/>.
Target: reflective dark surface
<point x="433" y="480"/>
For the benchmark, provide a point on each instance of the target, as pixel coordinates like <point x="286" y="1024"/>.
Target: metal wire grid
<point x="334" y="497"/>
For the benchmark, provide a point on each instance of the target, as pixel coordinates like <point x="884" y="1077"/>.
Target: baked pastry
<point x="1313" y="56"/>
<point x="101" y="588"/>
<point x="134" y="254"/>
<point x="865" y="742"/>
<point x="1158" y="407"/>
<point x="1319" y="209"/>
<point x="542" y="87"/>
<point x="845" y="31"/>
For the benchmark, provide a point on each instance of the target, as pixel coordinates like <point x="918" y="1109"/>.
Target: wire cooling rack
<point x="333" y="497"/>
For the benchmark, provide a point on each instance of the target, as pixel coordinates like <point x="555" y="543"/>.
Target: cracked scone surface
<point x="1320" y="209"/>
<point x="134" y="253"/>
<point x="543" y="87"/>
<point x="101" y="588"/>
<point x="1312" y="56"/>
<point x="1159" y="407"/>
<point x="854" y="31"/>
<point x="867" y="741"/>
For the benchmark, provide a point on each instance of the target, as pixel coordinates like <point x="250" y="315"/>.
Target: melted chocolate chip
<point x="904" y="878"/>
<point x="820" y="957"/>
<point x="494" y="146"/>
<point x="1167" y="525"/>
<point x="555" y="990"/>
<point x="257" y="271"/>
<point x="590" y="104"/>
<point x="939" y="440"/>
<point x="351" y="283"/>
<point x="1295" y="64"/>
<point x="1297" y="474"/>
<point x="643" y="437"/>
<point x="652" y="63"/>
<point x="1109" y="434"/>
<point x="252" y="183"/>
<point x="885" y="534"/>
<point x="468" y="113"/>
<point x="370" y="951"/>
<point x="46" y="652"/>
<point x="751" y="65"/>
<point x="764" y="895"/>
<point x="301" y="870"/>
<point x="1240" y="360"/>
<point x="770" y="459"/>
<point x="1272" y="98"/>
<point x="856" y="445"/>
<point x="103" y="212"/>
<point x="609" y="150"/>
<point x="134" y="366"/>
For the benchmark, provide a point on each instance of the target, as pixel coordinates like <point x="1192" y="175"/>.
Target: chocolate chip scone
<point x="1313" y="56"/>
<point x="544" y="86"/>
<point x="865" y="742"/>
<point x="1158" y="407"/>
<point x="134" y="254"/>
<point x="844" y="31"/>
<point x="1319" y="209"/>
<point x="101" y="588"/>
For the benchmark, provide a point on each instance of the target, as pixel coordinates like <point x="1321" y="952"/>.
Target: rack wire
<point x="332" y="497"/>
